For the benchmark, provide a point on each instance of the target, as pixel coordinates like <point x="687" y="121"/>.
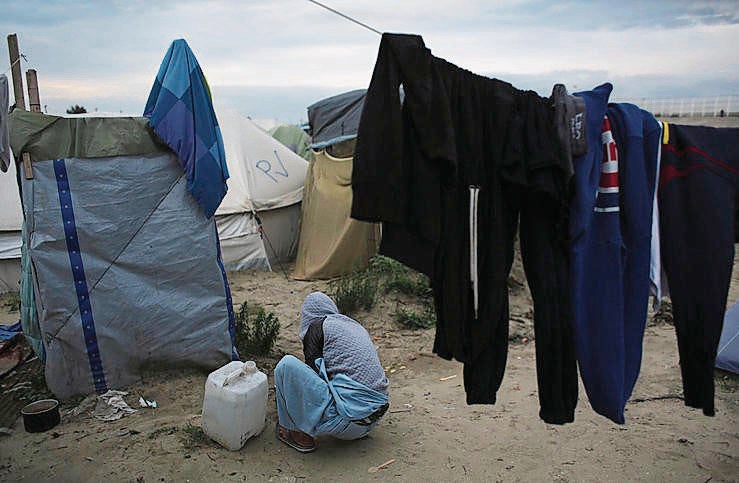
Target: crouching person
<point x="340" y="390"/>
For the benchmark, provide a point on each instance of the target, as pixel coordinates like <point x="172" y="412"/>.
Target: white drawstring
<point x="474" y="197"/>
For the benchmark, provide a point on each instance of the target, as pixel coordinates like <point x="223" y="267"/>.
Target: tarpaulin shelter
<point x="332" y="243"/>
<point x="259" y="218"/>
<point x="126" y="267"/>
<point x="727" y="357"/>
<point x="124" y="259"/>
<point x="336" y="118"/>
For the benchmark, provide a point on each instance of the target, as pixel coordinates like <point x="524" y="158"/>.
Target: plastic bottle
<point x="235" y="404"/>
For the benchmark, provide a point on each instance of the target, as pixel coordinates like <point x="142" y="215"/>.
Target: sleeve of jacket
<point x="313" y="343"/>
<point x="379" y="170"/>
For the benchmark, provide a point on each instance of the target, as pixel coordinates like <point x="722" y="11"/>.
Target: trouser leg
<point x="488" y="334"/>
<point x="302" y="396"/>
<point x="546" y="263"/>
<point x="697" y="223"/>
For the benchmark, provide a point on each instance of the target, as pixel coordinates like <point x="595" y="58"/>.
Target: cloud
<point x="280" y="54"/>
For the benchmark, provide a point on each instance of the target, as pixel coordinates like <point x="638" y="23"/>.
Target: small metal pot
<point x="41" y="415"/>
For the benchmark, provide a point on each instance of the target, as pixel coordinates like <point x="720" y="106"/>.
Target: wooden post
<point x="27" y="168"/>
<point x="34" y="104"/>
<point x="15" y="57"/>
<point x="34" y="100"/>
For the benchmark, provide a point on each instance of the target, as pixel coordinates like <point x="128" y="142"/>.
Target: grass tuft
<point x="256" y="330"/>
<point x="355" y="291"/>
<point x="193" y="436"/>
<point x="411" y="319"/>
<point x="11" y="301"/>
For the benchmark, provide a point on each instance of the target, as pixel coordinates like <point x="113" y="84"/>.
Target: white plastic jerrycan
<point x="235" y="404"/>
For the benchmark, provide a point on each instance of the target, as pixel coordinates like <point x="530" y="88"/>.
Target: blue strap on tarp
<point x="78" y="274"/>
<point x="180" y="110"/>
<point x="229" y="300"/>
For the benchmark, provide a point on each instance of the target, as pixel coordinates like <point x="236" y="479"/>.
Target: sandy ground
<point x="429" y="433"/>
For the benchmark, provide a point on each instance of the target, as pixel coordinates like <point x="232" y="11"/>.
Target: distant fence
<point x="707" y="106"/>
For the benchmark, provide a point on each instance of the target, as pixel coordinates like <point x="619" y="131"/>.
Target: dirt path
<point x="430" y="433"/>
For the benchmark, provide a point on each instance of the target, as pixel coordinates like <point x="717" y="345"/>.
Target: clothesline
<point x="22" y="56"/>
<point x="346" y="17"/>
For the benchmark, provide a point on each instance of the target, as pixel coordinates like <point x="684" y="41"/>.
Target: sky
<point x="270" y="59"/>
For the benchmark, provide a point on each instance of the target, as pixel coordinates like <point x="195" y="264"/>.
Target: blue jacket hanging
<point x="610" y="229"/>
<point x="180" y="110"/>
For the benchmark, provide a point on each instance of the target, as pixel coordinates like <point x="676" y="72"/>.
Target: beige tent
<point x="332" y="243"/>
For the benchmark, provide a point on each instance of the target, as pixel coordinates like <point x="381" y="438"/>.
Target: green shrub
<point x="412" y="284"/>
<point x="358" y="290"/>
<point x="256" y="330"/>
<point x="386" y="266"/>
<point x="11" y="301"/>
<point x="416" y="320"/>
<point x="399" y="278"/>
<point x="355" y="291"/>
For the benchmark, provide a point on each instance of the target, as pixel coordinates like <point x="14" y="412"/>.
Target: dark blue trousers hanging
<point x="697" y="197"/>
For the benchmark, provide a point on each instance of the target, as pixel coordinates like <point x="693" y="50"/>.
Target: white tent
<point x="11" y="220"/>
<point x="265" y="184"/>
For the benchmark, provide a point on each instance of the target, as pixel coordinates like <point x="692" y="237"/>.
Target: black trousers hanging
<point x="543" y="248"/>
<point x="697" y="203"/>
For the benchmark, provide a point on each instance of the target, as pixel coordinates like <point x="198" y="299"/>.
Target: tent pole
<point x="34" y="100"/>
<point x="15" y="66"/>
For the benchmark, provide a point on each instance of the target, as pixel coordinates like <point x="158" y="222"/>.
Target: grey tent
<point x="335" y="119"/>
<point x="727" y="357"/>
<point x="126" y="269"/>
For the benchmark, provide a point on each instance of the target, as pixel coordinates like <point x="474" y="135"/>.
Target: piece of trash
<point x="408" y="405"/>
<point x="375" y="469"/>
<point x="111" y="406"/>
<point x="145" y="403"/>
<point x="88" y="458"/>
<point x="6" y="432"/>
<point x="83" y="406"/>
<point x="401" y="368"/>
<point x="448" y="377"/>
<point x="392" y="371"/>
<point x="18" y="387"/>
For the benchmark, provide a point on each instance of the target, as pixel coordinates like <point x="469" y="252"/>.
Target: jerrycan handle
<point x="250" y="367"/>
